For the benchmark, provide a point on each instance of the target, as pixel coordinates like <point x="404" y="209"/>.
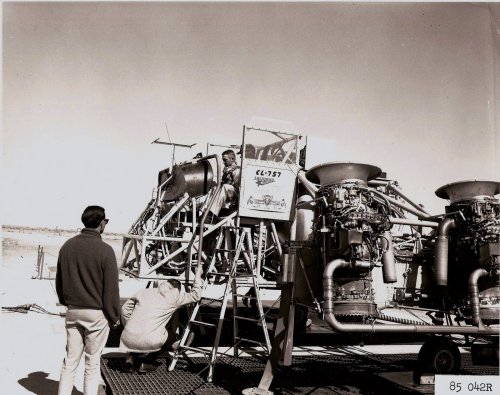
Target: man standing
<point x="87" y="283"/>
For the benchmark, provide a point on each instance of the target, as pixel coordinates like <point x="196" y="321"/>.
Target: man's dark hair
<point x="92" y="216"/>
<point x="230" y="153"/>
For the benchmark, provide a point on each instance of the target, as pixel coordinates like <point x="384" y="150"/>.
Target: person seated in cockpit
<point x="250" y="151"/>
<point x="230" y="181"/>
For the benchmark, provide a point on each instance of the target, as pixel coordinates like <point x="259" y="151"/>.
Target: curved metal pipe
<point x="212" y="199"/>
<point x="474" y="295"/>
<point x="441" y="257"/>
<point x="310" y="187"/>
<point x="412" y="222"/>
<point x="397" y="203"/>
<point x="328" y="273"/>
<point x="399" y="192"/>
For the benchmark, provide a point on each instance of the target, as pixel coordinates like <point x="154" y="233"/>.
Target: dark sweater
<point x="87" y="274"/>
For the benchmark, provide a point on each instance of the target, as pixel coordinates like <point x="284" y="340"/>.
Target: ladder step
<point x="200" y="350"/>
<point x="245" y="296"/>
<point x="248" y="340"/>
<point x="203" y="323"/>
<point x="208" y="298"/>
<point x="218" y="274"/>
<point x="236" y="275"/>
<point x="203" y="351"/>
<point x="239" y="317"/>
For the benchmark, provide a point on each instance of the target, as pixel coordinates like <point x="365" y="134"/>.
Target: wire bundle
<point x="24" y="308"/>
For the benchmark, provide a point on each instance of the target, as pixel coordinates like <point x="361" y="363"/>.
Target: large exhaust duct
<point x="468" y="190"/>
<point x="441" y="257"/>
<point x="474" y="295"/>
<point x="340" y="172"/>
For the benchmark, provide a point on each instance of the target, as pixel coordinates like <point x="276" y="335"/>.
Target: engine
<point x="194" y="179"/>
<point x="352" y="224"/>
<point x="443" y="282"/>
<point x="468" y="248"/>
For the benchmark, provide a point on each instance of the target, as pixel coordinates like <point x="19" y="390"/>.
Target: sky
<point x="87" y="87"/>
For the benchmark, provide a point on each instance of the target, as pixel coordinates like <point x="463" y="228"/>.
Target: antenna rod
<point x="157" y="141"/>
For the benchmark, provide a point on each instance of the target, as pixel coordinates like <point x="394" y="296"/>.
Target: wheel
<point x="439" y="356"/>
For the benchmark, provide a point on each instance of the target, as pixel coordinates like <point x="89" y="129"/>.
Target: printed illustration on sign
<point x="266" y="202"/>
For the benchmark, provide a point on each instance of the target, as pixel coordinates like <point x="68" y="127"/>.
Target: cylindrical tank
<point x="308" y="275"/>
<point x="388" y="260"/>
<point x="193" y="178"/>
<point x="305" y="219"/>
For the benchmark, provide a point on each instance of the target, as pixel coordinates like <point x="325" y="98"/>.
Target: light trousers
<point x="226" y="194"/>
<point x="87" y="331"/>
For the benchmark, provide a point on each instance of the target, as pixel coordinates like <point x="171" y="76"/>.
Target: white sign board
<point x="267" y="191"/>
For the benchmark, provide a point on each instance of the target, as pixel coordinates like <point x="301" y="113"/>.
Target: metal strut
<point x="234" y="267"/>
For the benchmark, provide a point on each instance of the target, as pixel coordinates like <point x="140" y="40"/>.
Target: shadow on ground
<point x="38" y="383"/>
<point x="333" y="372"/>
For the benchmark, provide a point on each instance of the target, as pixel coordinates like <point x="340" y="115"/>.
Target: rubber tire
<point x="439" y="356"/>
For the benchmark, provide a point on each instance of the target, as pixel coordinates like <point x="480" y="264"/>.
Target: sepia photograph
<point x="250" y="197"/>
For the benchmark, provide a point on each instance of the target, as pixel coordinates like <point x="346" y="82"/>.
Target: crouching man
<point x="146" y="318"/>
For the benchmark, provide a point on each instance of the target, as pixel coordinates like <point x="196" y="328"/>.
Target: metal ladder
<point x="238" y="268"/>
